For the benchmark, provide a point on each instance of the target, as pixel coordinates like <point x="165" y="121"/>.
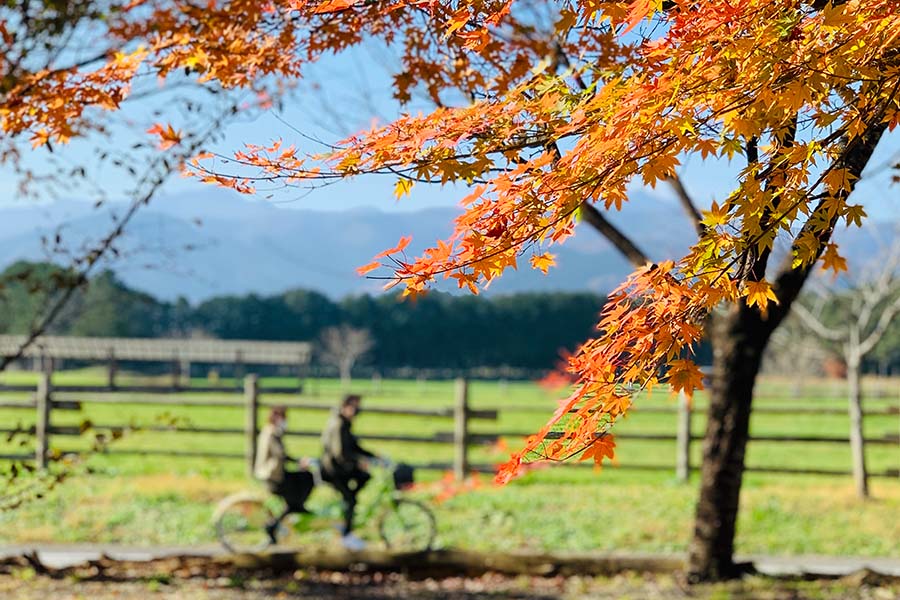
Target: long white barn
<point x="160" y="349"/>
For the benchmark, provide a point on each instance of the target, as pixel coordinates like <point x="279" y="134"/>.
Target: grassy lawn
<point x="156" y="500"/>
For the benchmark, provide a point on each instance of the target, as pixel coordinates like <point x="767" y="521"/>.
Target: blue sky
<point x="344" y="94"/>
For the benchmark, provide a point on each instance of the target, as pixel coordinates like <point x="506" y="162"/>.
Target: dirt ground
<point x="199" y="580"/>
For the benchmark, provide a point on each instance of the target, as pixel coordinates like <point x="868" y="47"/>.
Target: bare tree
<point x="342" y="347"/>
<point x="795" y="354"/>
<point x="865" y="311"/>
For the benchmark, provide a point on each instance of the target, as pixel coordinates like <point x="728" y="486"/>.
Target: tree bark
<point x="739" y="338"/>
<point x="857" y="448"/>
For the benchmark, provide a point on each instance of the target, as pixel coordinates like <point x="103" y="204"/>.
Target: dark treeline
<point x="436" y="331"/>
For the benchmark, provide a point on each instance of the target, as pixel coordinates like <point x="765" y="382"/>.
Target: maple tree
<point x="548" y="111"/>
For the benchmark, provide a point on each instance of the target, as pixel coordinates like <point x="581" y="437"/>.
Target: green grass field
<point x="157" y="500"/>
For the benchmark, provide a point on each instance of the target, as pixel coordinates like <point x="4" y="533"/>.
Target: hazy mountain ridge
<point x="202" y="246"/>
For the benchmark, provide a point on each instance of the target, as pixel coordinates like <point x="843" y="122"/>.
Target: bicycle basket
<point x="403" y="476"/>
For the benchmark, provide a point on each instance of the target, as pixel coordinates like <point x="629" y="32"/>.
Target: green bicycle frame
<point x="385" y="494"/>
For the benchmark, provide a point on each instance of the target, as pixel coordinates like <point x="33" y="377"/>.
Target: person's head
<point x="278" y="418"/>
<point x="350" y="406"/>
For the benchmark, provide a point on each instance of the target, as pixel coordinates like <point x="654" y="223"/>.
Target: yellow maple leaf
<point x="758" y="293"/>
<point x="716" y="215"/>
<point x="855" y="213"/>
<point x="543" y="262"/>
<point x="403" y="187"/>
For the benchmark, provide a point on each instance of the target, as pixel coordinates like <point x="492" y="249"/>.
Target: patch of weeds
<point x="160" y="579"/>
<point x="24" y="574"/>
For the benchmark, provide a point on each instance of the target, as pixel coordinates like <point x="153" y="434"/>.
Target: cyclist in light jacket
<point x="293" y="486"/>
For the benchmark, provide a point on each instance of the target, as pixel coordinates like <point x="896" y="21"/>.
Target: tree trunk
<point x="739" y="338"/>
<point x="854" y="407"/>
<point x="345" y="367"/>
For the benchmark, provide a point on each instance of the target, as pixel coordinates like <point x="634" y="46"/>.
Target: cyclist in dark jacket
<point x="344" y="463"/>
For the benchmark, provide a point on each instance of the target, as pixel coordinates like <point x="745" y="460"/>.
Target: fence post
<point x="302" y="366"/>
<point x="42" y="425"/>
<point x="185" y="373"/>
<point x="238" y="368"/>
<point x="376" y="383"/>
<point x="251" y="398"/>
<point x="111" y="370"/>
<point x="683" y="439"/>
<point x="461" y="430"/>
<point x="176" y="373"/>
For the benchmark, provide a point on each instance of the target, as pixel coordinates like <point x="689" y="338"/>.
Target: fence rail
<point x="252" y="397"/>
<point x="757" y="410"/>
<point x="44" y="402"/>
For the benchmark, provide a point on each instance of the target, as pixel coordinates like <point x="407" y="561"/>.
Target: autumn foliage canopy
<point x="542" y="109"/>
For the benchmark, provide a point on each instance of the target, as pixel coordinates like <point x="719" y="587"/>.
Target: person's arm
<point x="351" y="452"/>
<point x="332" y="439"/>
<point x="284" y="452"/>
<point x="359" y="450"/>
<point x="266" y="462"/>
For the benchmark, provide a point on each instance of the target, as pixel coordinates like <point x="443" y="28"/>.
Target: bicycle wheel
<point x="241" y="524"/>
<point x="407" y="526"/>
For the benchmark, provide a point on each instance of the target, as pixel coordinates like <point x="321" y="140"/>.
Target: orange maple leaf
<point x="334" y="6"/>
<point x="167" y="135"/>
<point x="401" y="245"/>
<point x="640" y="10"/>
<point x="603" y="447"/>
<point x="365" y="269"/>
<point x="685" y="376"/>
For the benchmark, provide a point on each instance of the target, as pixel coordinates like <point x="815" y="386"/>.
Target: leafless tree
<point x="342" y="347"/>
<point x="795" y="353"/>
<point x="866" y="310"/>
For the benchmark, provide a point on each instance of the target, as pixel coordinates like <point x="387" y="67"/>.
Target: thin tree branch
<point x="887" y="316"/>
<point x="883" y="286"/>
<point x="817" y="326"/>
<point x="618" y="239"/>
<point x="687" y="204"/>
<point x="92" y="257"/>
<point x="590" y="213"/>
<point x="790" y="279"/>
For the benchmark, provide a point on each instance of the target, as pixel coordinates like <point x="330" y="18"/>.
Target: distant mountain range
<point x="200" y="246"/>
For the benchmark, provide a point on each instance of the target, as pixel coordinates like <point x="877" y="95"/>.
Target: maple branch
<point x="595" y="218"/>
<point x="589" y="212"/>
<point x="618" y="239"/>
<point x="784" y="139"/>
<point x="687" y="204"/>
<point x="789" y="282"/>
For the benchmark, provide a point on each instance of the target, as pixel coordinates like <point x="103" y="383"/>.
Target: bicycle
<point x="403" y="524"/>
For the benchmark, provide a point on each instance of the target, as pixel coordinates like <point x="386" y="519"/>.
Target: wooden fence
<point x="44" y="403"/>
<point x="461" y="438"/>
